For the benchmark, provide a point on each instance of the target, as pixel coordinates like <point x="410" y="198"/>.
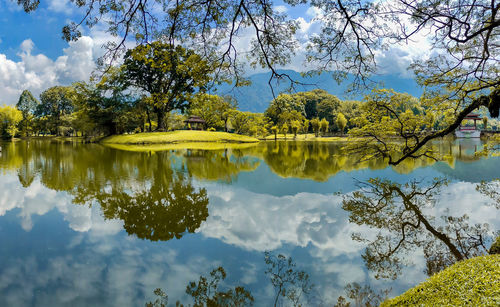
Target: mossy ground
<point x="472" y="282"/>
<point x="180" y="136"/>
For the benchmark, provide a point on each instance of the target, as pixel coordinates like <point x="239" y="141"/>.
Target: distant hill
<point x="256" y="97"/>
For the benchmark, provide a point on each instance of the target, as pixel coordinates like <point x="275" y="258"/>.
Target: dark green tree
<point x="56" y="102"/>
<point x="170" y="75"/>
<point x="27" y="104"/>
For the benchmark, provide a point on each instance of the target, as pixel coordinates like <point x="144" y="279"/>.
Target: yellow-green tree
<point x="9" y="119"/>
<point x="214" y="109"/>
<point x="323" y="125"/>
<point x="315" y="126"/>
<point x="341" y="122"/>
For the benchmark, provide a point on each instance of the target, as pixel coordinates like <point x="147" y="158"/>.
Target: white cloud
<point x="281" y="9"/>
<point x="61" y="6"/>
<point x="37" y="72"/>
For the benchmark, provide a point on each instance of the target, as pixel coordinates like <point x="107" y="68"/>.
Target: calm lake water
<point x="88" y="225"/>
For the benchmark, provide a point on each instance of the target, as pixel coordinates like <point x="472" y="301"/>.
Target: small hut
<point x="195" y="123"/>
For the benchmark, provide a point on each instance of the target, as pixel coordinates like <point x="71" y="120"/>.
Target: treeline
<point x="159" y="86"/>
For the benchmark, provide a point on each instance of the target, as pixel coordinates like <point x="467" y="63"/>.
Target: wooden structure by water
<point x="469" y="132"/>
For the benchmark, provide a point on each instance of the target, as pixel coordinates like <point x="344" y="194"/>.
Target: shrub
<point x="495" y="247"/>
<point x="472" y="282"/>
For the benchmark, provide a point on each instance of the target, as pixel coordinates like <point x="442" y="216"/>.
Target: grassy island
<point x="179" y="136"/>
<point x="472" y="282"/>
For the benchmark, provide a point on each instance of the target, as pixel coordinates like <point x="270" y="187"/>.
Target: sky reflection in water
<point x="71" y="232"/>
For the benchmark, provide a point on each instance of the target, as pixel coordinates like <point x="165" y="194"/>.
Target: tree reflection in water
<point x="398" y="211"/>
<point x="169" y="208"/>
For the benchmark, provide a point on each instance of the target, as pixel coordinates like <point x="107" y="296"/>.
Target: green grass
<point x="180" y="136"/>
<point x="178" y="146"/>
<point x="472" y="282"/>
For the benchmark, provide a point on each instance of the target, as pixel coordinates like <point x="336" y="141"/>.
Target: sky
<point x="34" y="56"/>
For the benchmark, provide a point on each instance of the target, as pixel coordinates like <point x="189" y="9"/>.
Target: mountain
<point x="257" y="96"/>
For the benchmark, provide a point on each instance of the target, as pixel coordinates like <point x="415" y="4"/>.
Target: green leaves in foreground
<point x="473" y="282"/>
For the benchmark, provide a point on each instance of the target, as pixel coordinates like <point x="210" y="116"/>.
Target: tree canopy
<point x="168" y="74"/>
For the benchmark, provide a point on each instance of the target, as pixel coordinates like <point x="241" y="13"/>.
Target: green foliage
<point x="170" y="75"/>
<point x="495" y="247"/>
<point x="473" y="282"/>
<point x="327" y="108"/>
<point x="27" y="104"/>
<point x="315" y="124"/>
<point x="283" y="105"/>
<point x="295" y="125"/>
<point x="9" y="120"/>
<point x="323" y="125"/>
<point x="56" y="102"/>
<point x="303" y="105"/>
<point x="485" y="123"/>
<point x="387" y="115"/>
<point x="252" y="124"/>
<point x="341" y="122"/>
<point x="214" y="109"/>
<point x="284" y="129"/>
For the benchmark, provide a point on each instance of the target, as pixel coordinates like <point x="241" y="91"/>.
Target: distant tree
<point x="9" y="120"/>
<point x="295" y="125"/>
<point x="328" y="107"/>
<point x="56" y="102"/>
<point x="27" y="104"/>
<point x="315" y="125"/>
<point x="214" y="109"/>
<point x="169" y="74"/>
<point x="282" y="107"/>
<point x="323" y="125"/>
<point x="305" y="127"/>
<point x="341" y="122"/>
<point x="485" y="123"/>
<point x="274" y="130"/>
<point x="284" y="129"/>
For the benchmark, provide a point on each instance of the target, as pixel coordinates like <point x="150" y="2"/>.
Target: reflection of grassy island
<point x="180" y="136"/>
<point x="473" y="282"/>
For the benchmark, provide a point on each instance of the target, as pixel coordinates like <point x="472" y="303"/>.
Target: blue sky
<point x="34" y="56"/>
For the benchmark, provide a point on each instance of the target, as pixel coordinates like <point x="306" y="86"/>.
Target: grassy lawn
<point x="472" y="282"/>
<point x="180" y="136"/>
<point x="179" y="146"/>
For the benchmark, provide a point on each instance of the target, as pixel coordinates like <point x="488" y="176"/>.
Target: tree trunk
<point x="161" y="120"/>
<point x="149" y="120"/>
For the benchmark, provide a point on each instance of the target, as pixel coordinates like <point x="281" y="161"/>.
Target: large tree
<point x="27" y="104"/>
<point x="56" y="102"/>
<point x="169" y="74"/>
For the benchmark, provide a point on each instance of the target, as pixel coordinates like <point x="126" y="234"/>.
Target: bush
<point x="495" y="247"/>
<point x="472" y="282"/>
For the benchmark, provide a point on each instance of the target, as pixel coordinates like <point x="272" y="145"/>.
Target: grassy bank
<point x="179" y="146"/>
<point x="473" y="282"/>
<point x="180" y="136"/>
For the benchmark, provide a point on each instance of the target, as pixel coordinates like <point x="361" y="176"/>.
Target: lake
<point x="89" y="225"/>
